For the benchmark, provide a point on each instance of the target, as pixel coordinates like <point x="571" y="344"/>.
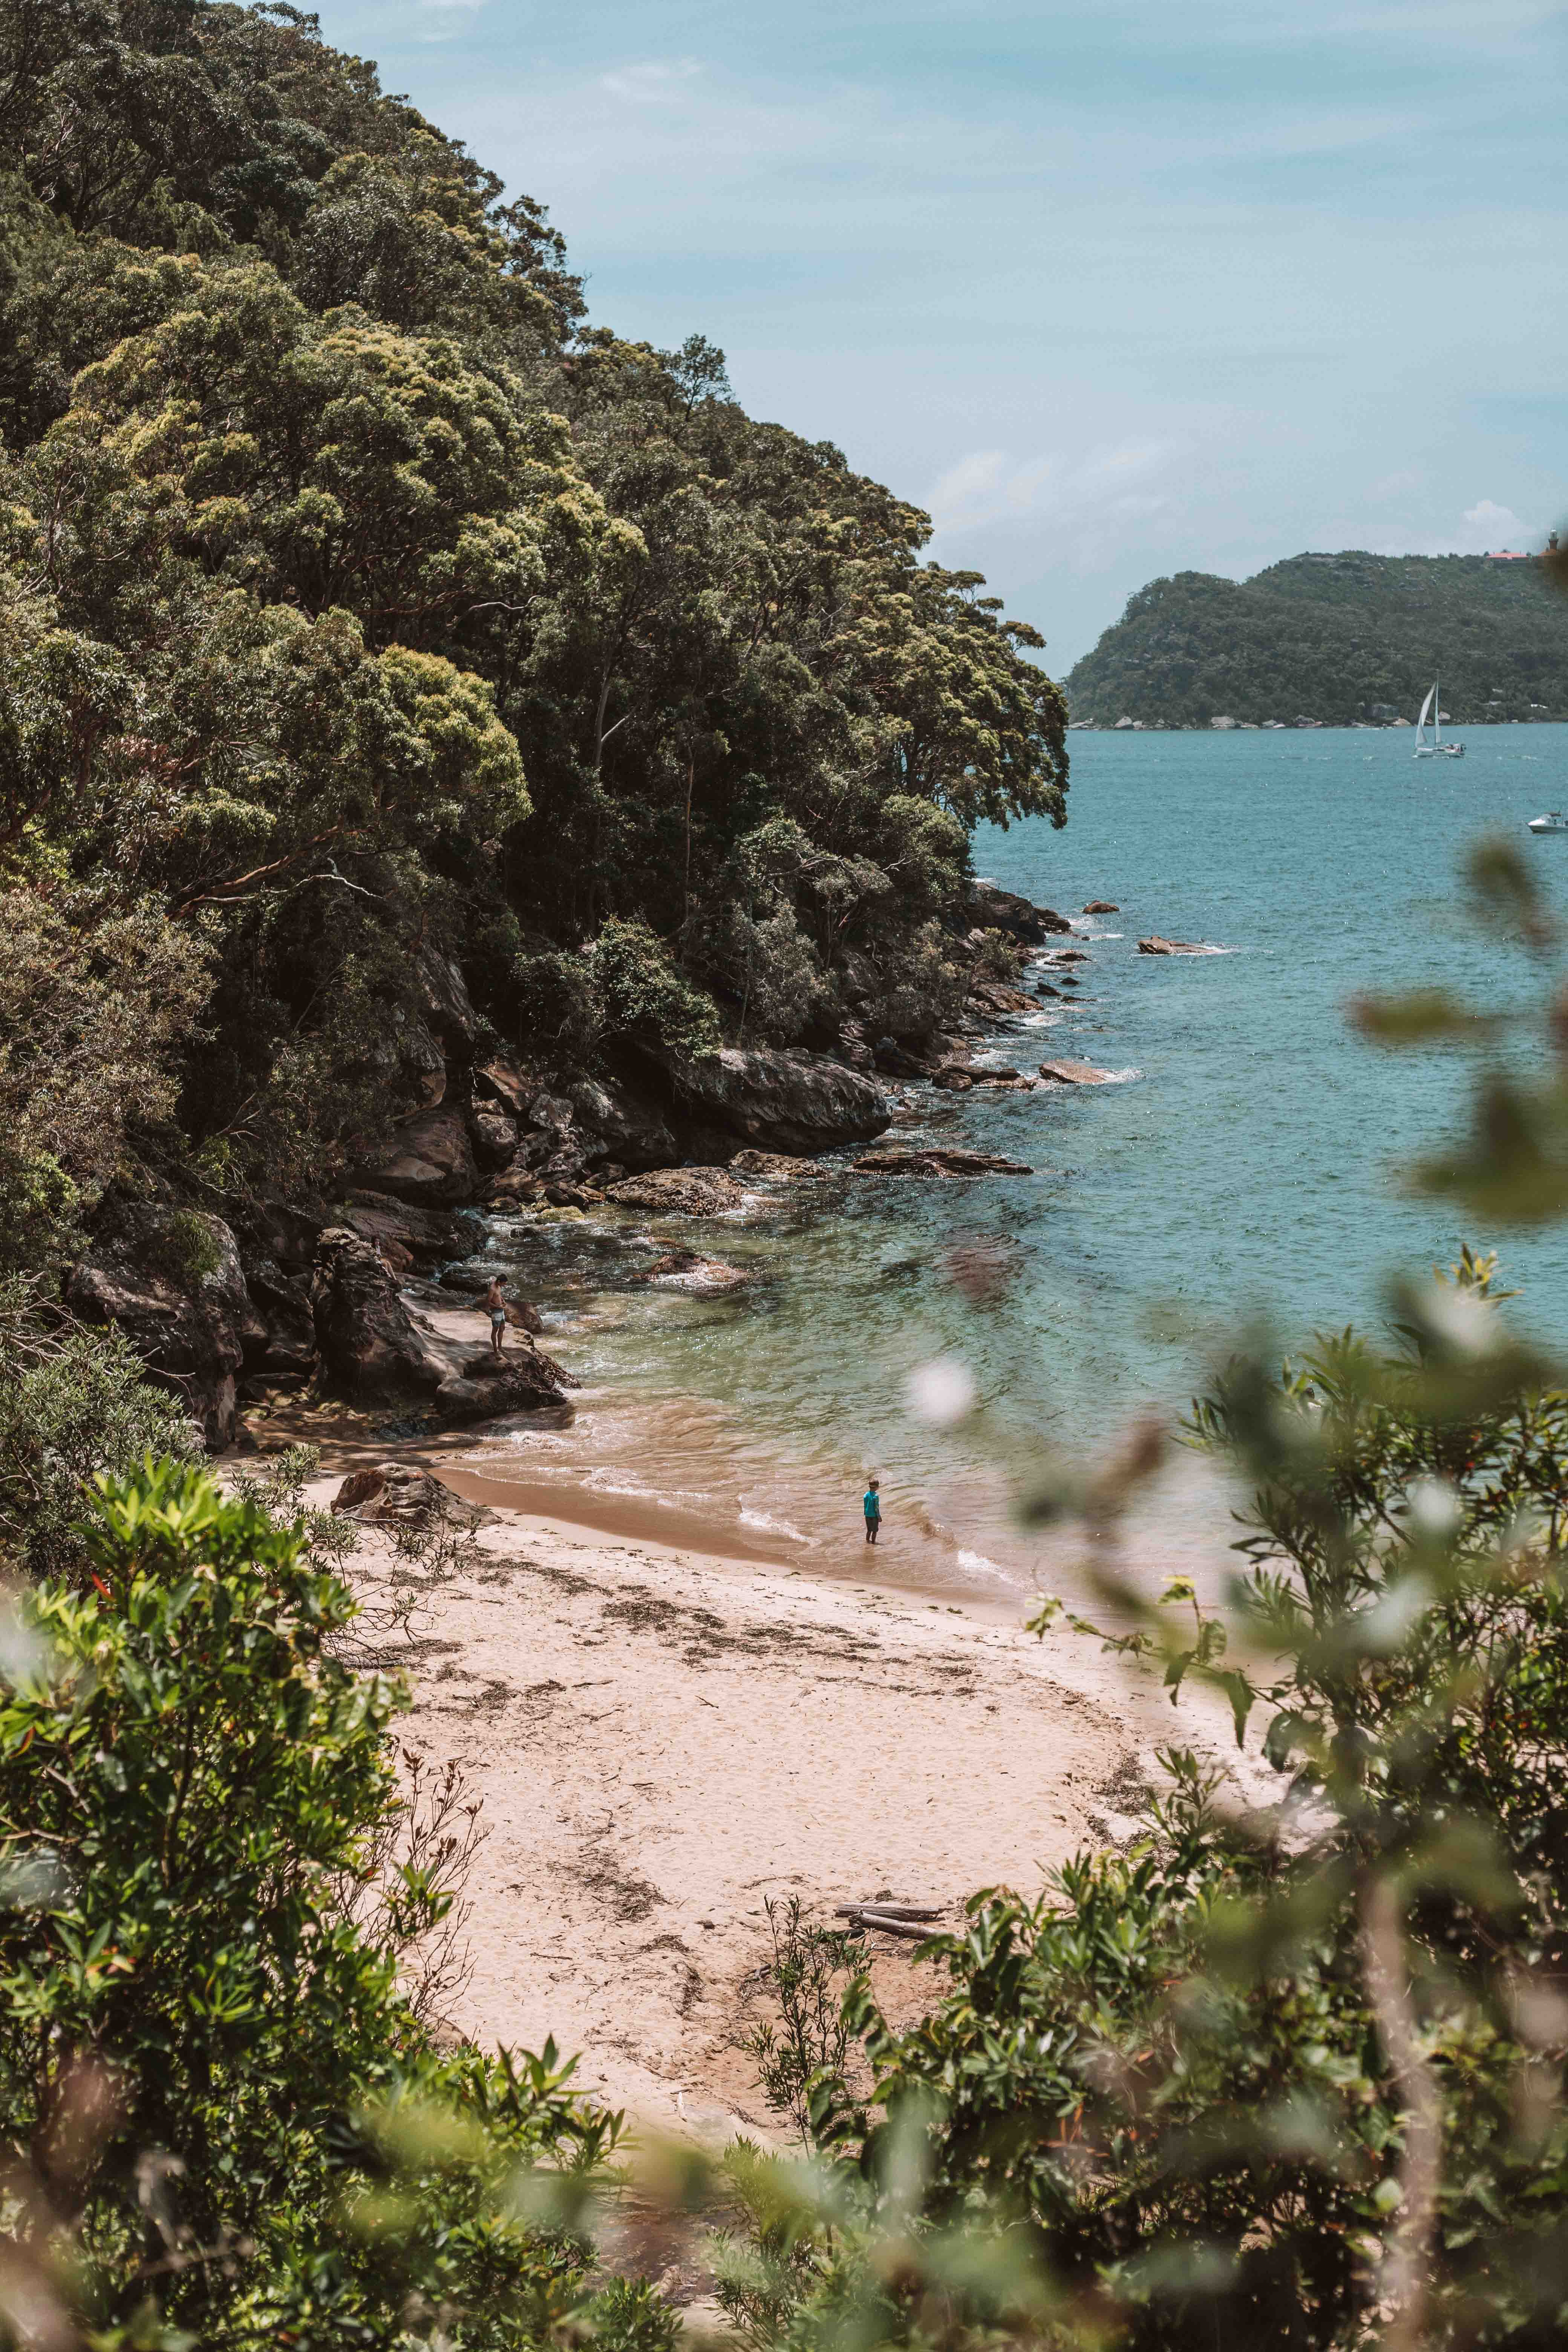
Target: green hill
<point x="1332" y="637"/>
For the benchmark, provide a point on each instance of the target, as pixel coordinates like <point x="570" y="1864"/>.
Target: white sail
<point x="1426" y="714"/>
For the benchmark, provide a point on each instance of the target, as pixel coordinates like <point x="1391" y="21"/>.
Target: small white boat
<point x="1437" y="749"/>
<point x="1554" y="821"/>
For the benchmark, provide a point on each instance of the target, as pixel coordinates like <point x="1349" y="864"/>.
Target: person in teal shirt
<point x="873" y="1505"/>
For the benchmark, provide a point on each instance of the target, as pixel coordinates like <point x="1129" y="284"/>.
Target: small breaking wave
<point x="975" y="1563"/>
<point x="766" y="1525"/>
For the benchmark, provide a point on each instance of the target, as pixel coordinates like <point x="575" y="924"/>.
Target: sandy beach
<point x="662" y="1737"/>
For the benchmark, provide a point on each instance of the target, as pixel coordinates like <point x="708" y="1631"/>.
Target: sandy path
<point x="662" y="1738"/>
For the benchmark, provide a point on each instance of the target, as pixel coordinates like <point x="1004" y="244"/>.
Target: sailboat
<point x="1437" y="749"/>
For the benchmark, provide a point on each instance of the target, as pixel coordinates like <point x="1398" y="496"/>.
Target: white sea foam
<point x="975" y="1563"/>
<point x="765" y="1524"/>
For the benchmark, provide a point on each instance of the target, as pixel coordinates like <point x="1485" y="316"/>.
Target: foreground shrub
<point x="221" y="2114"/>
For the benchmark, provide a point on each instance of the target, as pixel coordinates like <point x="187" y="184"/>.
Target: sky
<point x="1112" y="289"/>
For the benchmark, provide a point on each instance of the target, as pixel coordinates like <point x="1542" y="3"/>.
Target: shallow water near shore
<point x="1244" y="1168"/>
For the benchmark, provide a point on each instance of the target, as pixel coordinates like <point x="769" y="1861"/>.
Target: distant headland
<point x="1334" y="641"/>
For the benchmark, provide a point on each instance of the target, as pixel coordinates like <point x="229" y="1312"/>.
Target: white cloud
<point x="1117" y="482"/>
<point x="656" y="82"/>
<point x="1498" y="525"/>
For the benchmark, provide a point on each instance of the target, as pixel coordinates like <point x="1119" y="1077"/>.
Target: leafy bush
<point x="224" y="2118"/>
<point x="643" y="996"/>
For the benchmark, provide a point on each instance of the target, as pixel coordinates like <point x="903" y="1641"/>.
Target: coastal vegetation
<point x="406" y="684"/>
<point x="1339" y="639"/>
<point x="395" y="664"/>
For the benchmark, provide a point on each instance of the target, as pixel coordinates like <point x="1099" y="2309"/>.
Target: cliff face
<point x="1332" y="637"/>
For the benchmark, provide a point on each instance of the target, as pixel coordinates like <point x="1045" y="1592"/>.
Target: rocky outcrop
<point x="617" y="1123"/>
<point x="370" y="1343"/>
<point x="429" y="1160"/>
<point x="282" y="1301"/>
<point x="408" y="1238"/>
<point x="1157" y="946"/>
<point x="486" y="1386"/>
<point x="377" y="1351"/>
<point x="680" y="1193"/>
<point x="171" y="1280"/>
<point x="939" y="1163"/>
<point x="995" y="910"/>
<point x="1102" y="906"/>
<point x="780" y="1099"/>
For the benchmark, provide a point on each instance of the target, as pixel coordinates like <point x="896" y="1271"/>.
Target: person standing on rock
<point x="873" y="1506"/>
<point x="495" y="1300"/>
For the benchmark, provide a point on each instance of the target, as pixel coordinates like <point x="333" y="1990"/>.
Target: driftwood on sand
<point x="890" y="1919"/>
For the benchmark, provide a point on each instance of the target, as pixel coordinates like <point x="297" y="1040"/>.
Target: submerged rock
<point x="779" y="1100"/>
<point x="1102" y="906"/>
<point x="681" y="1192"/>
<point x="1076" y="1074"/>
<point x="776" y="1163"/>
<point x="940" y="1162"/>
<point x="706" y="1277"/>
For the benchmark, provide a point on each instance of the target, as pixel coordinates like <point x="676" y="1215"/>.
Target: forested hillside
<point x="1334" y="637"/>
<point x="388" y="652"/>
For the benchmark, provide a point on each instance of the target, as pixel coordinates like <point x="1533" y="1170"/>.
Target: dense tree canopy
<point x="1332" y="637"/>
<point x="361" y="602"/>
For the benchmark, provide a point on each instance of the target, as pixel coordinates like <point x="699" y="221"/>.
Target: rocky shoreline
<point x="313" y="1301"/>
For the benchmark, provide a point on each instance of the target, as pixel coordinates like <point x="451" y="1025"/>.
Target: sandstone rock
<point x="390" y="1494"/>
<point x="775" y="1164"/>
<point x="780" y="1101"/>
<point x="1102" y="906"/>
<point x="1157" y="946"/>
<point x="619" y="1124"/>
<point x="494" y="1133"/>
<point x="429" y="1160"/>
<point x="171" y="1280"/>
<point x="992" y="997"/>
<point x="507" y="1082"/>
<point x="681" y="1191"/>
<point x="447" y="1004"/>
<point x="369" y="1342"/>
<point x="995" y="910"/>
<point x="1076" y="1074"/>
<point x="934" y="1162"/>
<point x="953" y="1078"/>
<point x="488" y="1386"/>
<point x="404" y="1235"/>
<point x="288" y="1350"/>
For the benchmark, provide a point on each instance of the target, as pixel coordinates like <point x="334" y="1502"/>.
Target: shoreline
<point x="663" y="1738"/>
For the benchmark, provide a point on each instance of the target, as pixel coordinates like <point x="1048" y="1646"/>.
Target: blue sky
<point x="1113" y="289"/>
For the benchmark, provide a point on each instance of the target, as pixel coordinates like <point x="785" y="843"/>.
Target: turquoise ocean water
<point x="1241" y="1167"/>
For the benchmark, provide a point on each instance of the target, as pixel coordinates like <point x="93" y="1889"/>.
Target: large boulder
<point x="370" y="1343"/>
<point x="680" y="1193"/>
<point x="406" y="1236"/>
<point x="619" y="1124"/>
<point x="282" y="1301"/>
<point x="429" y="1160"/>
<point x="171" y="1280"/>
<point x="780" y="1099"/>
<point x="486" y="1386"/>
